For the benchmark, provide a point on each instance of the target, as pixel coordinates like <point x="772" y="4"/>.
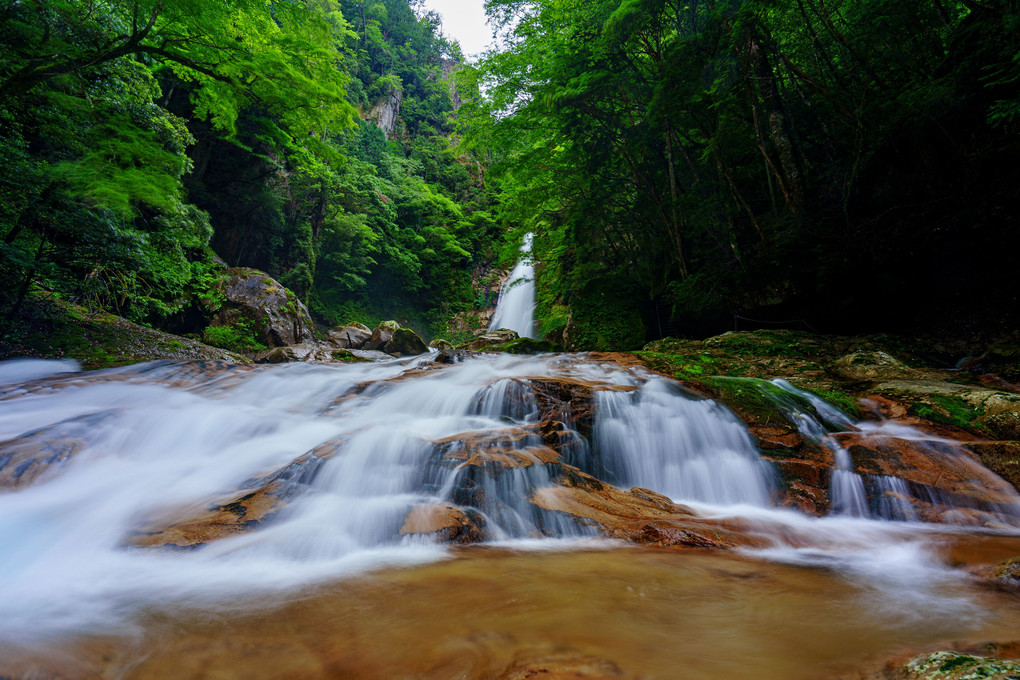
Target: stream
<point x="106" y="471"/>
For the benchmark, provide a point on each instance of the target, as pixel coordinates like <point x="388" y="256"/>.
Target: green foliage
<point x="236" y="337"/>
<point x="732" y="156"/>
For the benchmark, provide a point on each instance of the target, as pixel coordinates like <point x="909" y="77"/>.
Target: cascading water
<point x="515" y="308"/>
<point x="689" y="449"/>
<point x="344" y="460"/>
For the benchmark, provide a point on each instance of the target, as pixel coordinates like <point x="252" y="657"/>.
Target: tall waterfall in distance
<point x="516" y="307"/>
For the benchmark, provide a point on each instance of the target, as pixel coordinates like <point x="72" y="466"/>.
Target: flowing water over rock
<point x="209" y="488"/>
<point x="516" y="306"/>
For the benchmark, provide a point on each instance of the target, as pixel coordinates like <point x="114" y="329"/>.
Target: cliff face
<point x="387" y="111"/>
<point x="450" y="66"/>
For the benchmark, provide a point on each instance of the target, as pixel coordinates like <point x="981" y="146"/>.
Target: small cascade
<point x="886" y="496"/>
<point x="516" y="306"/>
<point x="689" y="449"/>
<point x="849" y="499"/>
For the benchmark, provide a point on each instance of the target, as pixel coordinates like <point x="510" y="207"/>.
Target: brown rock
<point x="564" y="667"/>
<point x="446" y="522"/>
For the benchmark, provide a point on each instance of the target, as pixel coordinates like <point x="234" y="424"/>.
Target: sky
<point x="464" y="21"/>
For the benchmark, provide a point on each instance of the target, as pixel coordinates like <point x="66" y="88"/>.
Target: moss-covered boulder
<point x="275" y="315"/>
<point x="490" y="341"/>
<point x="405" y="342"/>
<point x="441" y="344"/>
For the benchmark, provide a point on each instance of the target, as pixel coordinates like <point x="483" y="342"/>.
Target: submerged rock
<point x="445" y="522"/>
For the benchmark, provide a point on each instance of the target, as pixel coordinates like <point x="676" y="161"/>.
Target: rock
<point x="943" y="481"/>
<point x="445" y="522"/>
<point x="490" y="340"/>
<point x="955" y="666"/>
<point x="368" y="355"/>
<point x="637" y="515"/>
<point x="405" y="342"/>
<point x="530" y="346"/>
<point x="244" y="512"/>
<point x="1002" y="458"/>
<point x="390" y="338"/>
<point x="279" y="317"/>
<point x="351" y="336"/>
<point x="382" y="334"/>
<point x="564" y="667"/>
<point x="293" y="353"/>
<point x="441" y="344"/>
<point x="871" y="366"/>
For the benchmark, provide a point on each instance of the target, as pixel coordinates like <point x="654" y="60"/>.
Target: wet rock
<point x="942" y="481"/>
<point x="955" y="666"/>
<point x="637" y="515"/>
<point x="564" y="667"/>
<point x="1002" y="458"/>
<point x="490" y="340"/>
<point x="244" y="512"/>
<point x="279" y="317"/>
<point x="351" y="336"/>
<point x="445" y="522"/>
<point x="441" y="344"/>
<point x="44" y="451"/>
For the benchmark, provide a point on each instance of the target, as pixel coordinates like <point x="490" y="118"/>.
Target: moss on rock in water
<point x="954" y="666"/>
<point x="759" y="401"/>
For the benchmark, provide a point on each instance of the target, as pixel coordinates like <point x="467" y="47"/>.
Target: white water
<point x="515" y="308"/>
<point x="165" y="441"/>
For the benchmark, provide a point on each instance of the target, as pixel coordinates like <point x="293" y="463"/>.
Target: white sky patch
<point x="464" y="21"/>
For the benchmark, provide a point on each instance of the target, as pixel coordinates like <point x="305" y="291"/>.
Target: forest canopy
<point x="685" y="166"/>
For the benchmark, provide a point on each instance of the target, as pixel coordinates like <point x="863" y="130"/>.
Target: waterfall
<point x="516" y="306"/>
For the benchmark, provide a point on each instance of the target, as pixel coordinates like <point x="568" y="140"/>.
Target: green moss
<point x="949" y="410"/>
<point x="842" y="400"/>
<point x="236" y="337"/>
<point x="346" y="357"/>
<point x="528" y="346"/>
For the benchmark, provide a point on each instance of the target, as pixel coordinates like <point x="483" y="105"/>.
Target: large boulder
<point x="278" y="318"/>
<point x="351" y="336"/>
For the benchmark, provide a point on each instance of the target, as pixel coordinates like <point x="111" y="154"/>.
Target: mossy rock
<point x="528" y="346"/>
<point x="490" y="341"/>
<point x="405" y="342"/>
<point x="441" y="344"/>
<point x="761" y="403"/>
<point x="49" y="328"/>
<point x="954" y="666"/>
